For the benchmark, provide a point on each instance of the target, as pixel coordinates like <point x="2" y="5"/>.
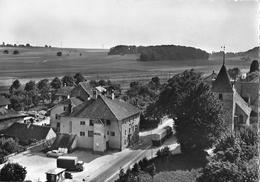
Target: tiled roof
<point x="25" y="132"/>
<point x="4" y="101"/>
<point x="73" y="100"/>
<point x="6" y="114"/>
<point x="105" y="108"/>
<point x="63" y="141"/>
<point x="86" y="87"/>
<point x="64" y="91"/>
<point x="222" y="82"/>
<point x="211" y="77"/>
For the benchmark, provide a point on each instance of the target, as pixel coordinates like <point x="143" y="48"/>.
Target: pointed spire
<point x="222" y="82"/>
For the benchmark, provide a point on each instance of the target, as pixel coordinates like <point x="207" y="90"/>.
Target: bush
<point x="6" y="52"/>
<point x="15" y="52"/>
<point x="59" y="53"/>
<point x="13" y="172"/>
<point x="176" y="176"/>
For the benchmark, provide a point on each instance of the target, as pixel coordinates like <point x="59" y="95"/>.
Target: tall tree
<point x="56" y="83"/>
<point x="67" y="80"/>
<point x="254" y="66"/>
<point x="78" y="77"/>
<point x="195" y="109"/>
<point x="15" y="85"/>
<point x="30" y="86"/>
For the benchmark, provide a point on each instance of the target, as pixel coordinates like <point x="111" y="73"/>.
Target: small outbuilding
<point x="55" y="175"/>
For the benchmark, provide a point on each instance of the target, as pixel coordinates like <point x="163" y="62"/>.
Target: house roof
<point x="105" y="108"/>
<point x="86" y="87"/>
<point x="64" y="91"/>
<point x="6" y="114"/>
<point x="63" y="140"/>
<point x="26" y="132"/>
<point x="211" y="77"/>
<point x="222" y="82"/>
<point x="73" y="100"/>
<point x="4" y="101"/>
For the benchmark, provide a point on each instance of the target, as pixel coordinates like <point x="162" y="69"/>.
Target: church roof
<point x="222" y="82"/>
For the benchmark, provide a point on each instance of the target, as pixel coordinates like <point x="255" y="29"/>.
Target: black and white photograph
<point x="129" y="90"/>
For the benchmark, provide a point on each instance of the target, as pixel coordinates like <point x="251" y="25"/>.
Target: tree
<point x="234" y="73"/>
<point x="79" y="78"/>
<point x="30" y="86"/>
<point x="59" y="53"/>
<point x="102" y="82"/>
<point x="93" y="83"/>
<point x="220" y="171"/>
<point x="6" y="52"/>
<point x="234" y="158"/>
<point x="15" y="85"/>
<point x="15" y="52"/>
<point x="44" y="89"/>
<point x="43" y="84"/>
<point x="13" y="172"/>
<point x="67" y="80"/>
<point x="197" y="112"/>
<point x="254" y="66"/>
<point x="56" y="83"/>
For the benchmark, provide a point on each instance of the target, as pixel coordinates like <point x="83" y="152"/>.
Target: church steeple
<point x="222" y="82"/>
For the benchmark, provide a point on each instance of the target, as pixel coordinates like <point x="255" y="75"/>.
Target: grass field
<point x="36" y="63"/>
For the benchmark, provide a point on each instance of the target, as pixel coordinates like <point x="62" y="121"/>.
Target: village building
<point x="101" y="124"/>
<point x="28" y="133"/>
<point x="60" y="108"/>
<point x="64" y="93"/>
<point x="8" y="116"/>
<point x="239" y="98"/>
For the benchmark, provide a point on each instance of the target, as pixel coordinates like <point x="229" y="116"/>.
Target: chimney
<point x="112" y="95"/>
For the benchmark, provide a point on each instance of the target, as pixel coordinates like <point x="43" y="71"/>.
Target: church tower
<point x="223" y="88"/>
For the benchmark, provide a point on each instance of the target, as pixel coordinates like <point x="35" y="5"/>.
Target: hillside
<point x="246" y="55"/>
<point x="160" y="52"/>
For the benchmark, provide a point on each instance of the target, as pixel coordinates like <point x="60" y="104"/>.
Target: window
<point x="107" y="132"/>
<point x="70" y="127"/>
<point x="125" y="142"/>
<point x="65" y="108"/>
<point x="220" y="97"/>
<point x="129" y="130"/>
<point x="82" y="133"/>
<point x="125" y="132"/>
<point x="57" y="116"/>
<point x="91" y="122"/>
<point x="58" y="124"/>
<point x="90" y="133"/>
<point x="108" y="122"/>
<point x="82" y="123"/>
<point x="112" y="133"/>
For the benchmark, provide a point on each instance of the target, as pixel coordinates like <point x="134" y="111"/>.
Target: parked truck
<point x="161" y="135"/>
<point x="70" y="163"/>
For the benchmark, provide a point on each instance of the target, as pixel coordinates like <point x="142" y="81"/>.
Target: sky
<point x="205" y="24"/>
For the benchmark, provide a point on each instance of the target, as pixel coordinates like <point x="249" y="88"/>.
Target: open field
<point x="37" y="63"/>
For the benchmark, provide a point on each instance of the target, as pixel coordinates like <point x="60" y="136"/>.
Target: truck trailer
<point x="70" y="163"/>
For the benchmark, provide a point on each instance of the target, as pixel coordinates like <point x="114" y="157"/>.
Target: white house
<point x="101" y="124"/>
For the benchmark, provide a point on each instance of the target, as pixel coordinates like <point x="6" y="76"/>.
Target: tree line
<point x="160" y="52"/>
